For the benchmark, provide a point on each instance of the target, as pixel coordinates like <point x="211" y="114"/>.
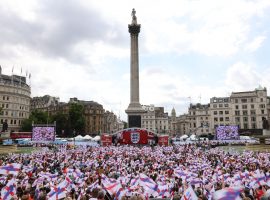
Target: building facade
<point x="199" y="117"/>
<point x="220" y="112"/>
<point x="44" y="103"/>
<point x="247" y="110"/>
<point x="155" y="119"/>
<point x="14" y="101"/>
<point x="97" y="120"/>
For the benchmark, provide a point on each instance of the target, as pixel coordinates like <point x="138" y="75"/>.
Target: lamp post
<point x="74" y="133"/>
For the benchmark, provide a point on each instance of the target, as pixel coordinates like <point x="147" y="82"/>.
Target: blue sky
<point x="188" y="48"/>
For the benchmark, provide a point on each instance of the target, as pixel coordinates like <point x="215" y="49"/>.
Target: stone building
<point x="246" y="109"/>
<point x="97" y="120"/>
<point x="199" y="118"/>
<point x="14" y="100"/>
<point x="44" y="103"/>
<point x="155" y="119"/>
<point x="249" y="108"/>
<point x="220" y="112"/>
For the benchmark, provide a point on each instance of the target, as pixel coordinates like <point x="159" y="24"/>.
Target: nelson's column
<point x="134" y="110"/>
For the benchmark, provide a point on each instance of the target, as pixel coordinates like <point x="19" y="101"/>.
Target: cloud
<point x="255" y="44"/>
<point x="242" y="77"/>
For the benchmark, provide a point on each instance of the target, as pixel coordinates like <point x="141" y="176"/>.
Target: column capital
<point x="134" y="29"/>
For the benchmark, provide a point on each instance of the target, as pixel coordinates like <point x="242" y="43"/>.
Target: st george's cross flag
<point x="9" y="190"/>
<point x="12" y="168"/>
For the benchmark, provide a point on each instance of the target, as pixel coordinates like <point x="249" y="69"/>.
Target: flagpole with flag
<point x="30" y="79"/>
<point x="21" y="78"/>
<point x="12" y="75"/>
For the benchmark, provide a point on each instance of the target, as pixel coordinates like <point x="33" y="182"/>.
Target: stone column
<point x="134" y="109"/>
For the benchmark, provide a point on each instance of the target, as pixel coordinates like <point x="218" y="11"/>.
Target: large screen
<point x="45" y="133"/>
<point x="227" y="133"/>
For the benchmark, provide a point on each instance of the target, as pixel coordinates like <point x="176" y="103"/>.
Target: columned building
<point x="14" y="101"/>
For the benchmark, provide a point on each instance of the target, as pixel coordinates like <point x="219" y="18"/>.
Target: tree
<point x="36" y="116"/>
<point x="61" y="123"/>
<point x="76" y="117"/>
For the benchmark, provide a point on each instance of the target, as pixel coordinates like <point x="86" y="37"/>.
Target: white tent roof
<point x="193" y="136"/>
<point x="79" y="137"/>
<point x="96" y="138"/>
<point x="88" y="137"/>
<point x="183" y="137"/>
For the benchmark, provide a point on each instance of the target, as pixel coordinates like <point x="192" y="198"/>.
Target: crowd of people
<point x="135" y="172"/>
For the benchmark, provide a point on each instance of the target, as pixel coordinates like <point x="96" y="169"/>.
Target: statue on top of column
<point x="134" y="18"/>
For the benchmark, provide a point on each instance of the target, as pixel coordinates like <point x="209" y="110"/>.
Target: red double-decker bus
<point x="18" y="135"/>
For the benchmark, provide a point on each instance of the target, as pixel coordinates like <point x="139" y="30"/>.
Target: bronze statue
<point x="134" y="18"/>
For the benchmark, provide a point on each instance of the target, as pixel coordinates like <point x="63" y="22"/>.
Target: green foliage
<point x="36" y="116"/>
<point x="61" y="124"/>
<point x="76" y="117"/>
<point x="73" y="121"/>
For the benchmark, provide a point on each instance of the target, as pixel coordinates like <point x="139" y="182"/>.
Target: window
<point x="252" y="106"/>
<point x="237" y="112"/>
<point x="4" y="97"/>
<point x="245" y="126"/>
<point x="221" y="112"/>
<point x="7" y="98"/>
<point x="237" y="119"/>
<point x="244" y="100"/>
<point x="262" y="111"/>
<point x="245" y="112"/>
<point x="236" y="101"/>
<point x="253" y="119"/>
<point x="245" y="119"/>
<point x="261" y="99"/>
<point x="6" y="105"/>
<point x="227" y="119"/>
<point x="226" y="105"/>
<point x="215" y="112"/>
<point x="215" y="106"/>
<point x="251" y="100"/>
<point x="253" y="112"/>
<point x="262" y="105"/>
<point x="215" y="119"/>
<point x="227" y="112"/>
<point x="253" y="125"/>
<point x="236" y="107"/>
<point x="244" y="106"/>
<point x="221" y="119"/>
<point x="220" y="105"/>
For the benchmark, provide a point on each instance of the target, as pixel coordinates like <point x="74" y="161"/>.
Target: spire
<point x="173" y="113"/>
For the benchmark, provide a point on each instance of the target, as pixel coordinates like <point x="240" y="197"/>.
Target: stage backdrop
<point x="135" y="136"/>
<point x="43" y="134"/>
<point x="227" y="133"/>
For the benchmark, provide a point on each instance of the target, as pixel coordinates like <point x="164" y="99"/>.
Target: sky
<point x="187" y="48"/>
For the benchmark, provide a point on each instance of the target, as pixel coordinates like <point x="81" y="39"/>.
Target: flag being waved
<point x="9" y="190"/>
<point x="13" y="168"/>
